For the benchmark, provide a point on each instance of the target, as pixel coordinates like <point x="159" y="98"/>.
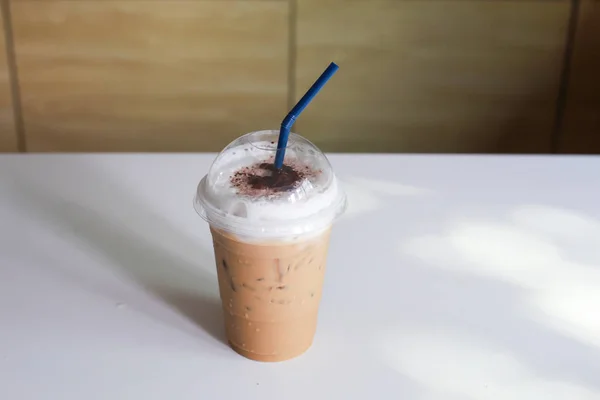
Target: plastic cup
<point x="270" y="233"/>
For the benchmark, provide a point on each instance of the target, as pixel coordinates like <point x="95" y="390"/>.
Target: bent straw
<point x="288" y="121"/>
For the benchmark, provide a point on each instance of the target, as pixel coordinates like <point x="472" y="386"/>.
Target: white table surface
<point x="451" y="277"/>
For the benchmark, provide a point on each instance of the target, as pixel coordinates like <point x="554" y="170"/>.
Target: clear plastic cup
<point x="270" y="233"/>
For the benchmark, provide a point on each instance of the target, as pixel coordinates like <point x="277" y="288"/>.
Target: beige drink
<point x="270" y="294"/>
<point x="270" y="231"/>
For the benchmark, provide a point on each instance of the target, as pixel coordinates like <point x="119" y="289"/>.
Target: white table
<point x="451" y="277"/>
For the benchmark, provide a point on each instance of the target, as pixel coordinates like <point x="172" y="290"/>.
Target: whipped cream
<point x="228" y="199"/>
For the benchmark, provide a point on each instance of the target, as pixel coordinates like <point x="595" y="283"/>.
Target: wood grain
<point x="8" y="135"/>
<point x="581" y="133"/>
<point x="432" y="76"/>
<point x="149" y="75"/>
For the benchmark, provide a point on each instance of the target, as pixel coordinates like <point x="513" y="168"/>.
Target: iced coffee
<point x="270" y="230"/>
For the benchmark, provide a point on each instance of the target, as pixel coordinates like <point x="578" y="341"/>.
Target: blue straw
<point x="288" y="121"/>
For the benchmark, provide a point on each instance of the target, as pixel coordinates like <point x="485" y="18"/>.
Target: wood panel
<point x="149" y="75"/>
<point x="8" y="136"/>
<point x="581" y="133"/>
<point x="432" y="76"/>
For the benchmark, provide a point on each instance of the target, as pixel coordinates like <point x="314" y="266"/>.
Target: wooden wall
<point x="581" y="127"/>
<point x="190" y="75"/>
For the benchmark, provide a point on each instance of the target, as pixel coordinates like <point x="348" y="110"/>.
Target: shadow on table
<point x="100" y="215"/>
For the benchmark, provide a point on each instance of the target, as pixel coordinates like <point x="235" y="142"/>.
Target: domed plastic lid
<point x="245" y="195"/>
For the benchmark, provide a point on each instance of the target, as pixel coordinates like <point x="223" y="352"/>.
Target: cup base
<point x="265" y="357"/>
